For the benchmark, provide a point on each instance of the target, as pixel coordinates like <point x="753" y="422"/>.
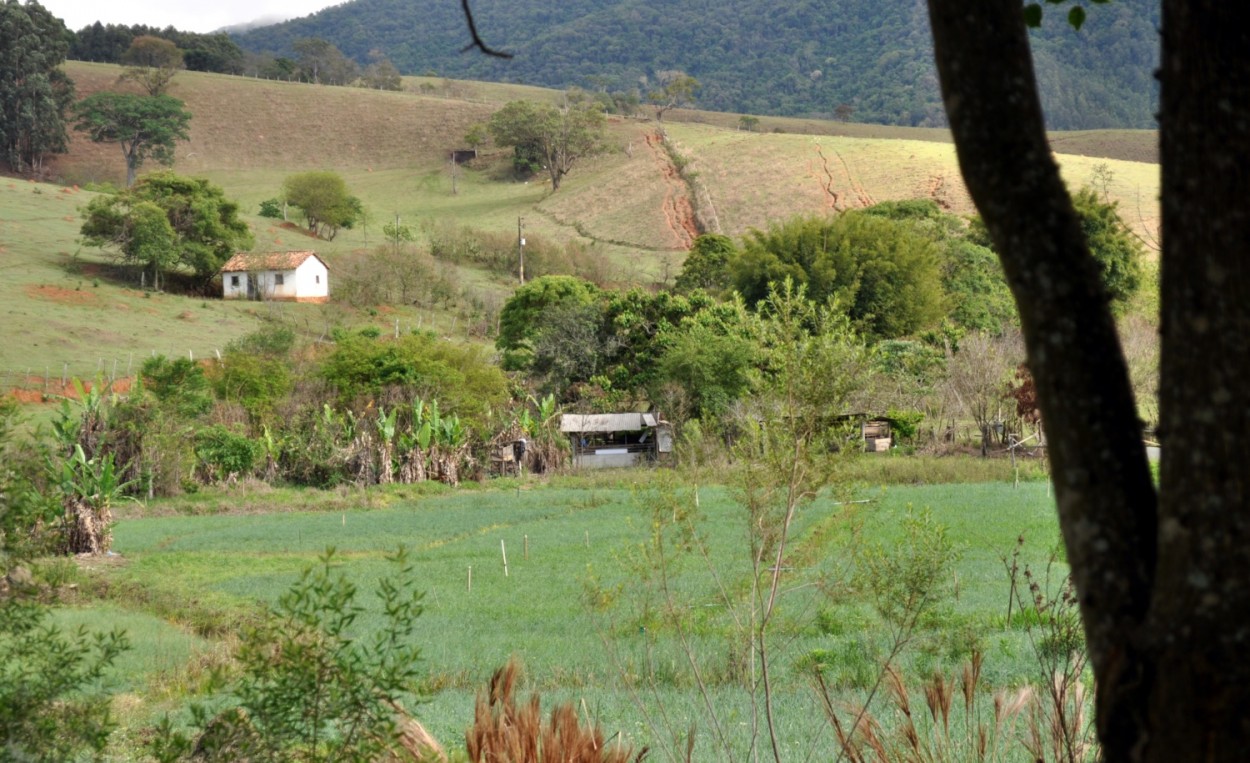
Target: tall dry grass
<point x="503" y="732"/>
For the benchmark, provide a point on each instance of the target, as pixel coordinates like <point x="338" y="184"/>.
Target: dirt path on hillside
<point x="677" y="207"/>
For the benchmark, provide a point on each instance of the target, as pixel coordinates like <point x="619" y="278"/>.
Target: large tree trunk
<point x="1102" y="483"/>
<point x="1163" y="582"/>
<point x="1198" y="630"/>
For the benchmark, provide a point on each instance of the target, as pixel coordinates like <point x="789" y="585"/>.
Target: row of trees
<point x="36" y="97"/>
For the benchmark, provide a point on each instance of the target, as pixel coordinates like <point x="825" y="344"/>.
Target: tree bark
<point x="1198" y="630"/>
<point x="1106" y="501"/>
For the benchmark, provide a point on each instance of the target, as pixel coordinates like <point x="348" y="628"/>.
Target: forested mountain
<point x="798" y="57"/>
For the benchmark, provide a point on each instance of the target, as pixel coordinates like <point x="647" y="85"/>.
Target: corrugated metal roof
<point x="244" y="261"/>
<point x="602" y="422"/>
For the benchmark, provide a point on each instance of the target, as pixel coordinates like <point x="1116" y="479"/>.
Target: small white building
<point x="288" y="276"/>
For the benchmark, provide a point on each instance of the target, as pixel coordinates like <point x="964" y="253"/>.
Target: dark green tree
<point x="558" y="136"/>
<point x="167" y="220"/>
<point x="34" y="92"/>
<point x="144" y="126"/>
<point x="519" y="320"/>
<point x="884" y="273"/>
<point x="707" y="264"/>
<point x="1117" y="251"/>
<point x="323" y="197"/>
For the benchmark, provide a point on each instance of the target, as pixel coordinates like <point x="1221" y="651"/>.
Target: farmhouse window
<point x="277" y="279"/>
<point x="234" y="280"/>
<point x="318" y="277"/>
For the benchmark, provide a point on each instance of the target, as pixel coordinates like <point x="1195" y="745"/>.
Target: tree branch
<point x="477" y="40"/>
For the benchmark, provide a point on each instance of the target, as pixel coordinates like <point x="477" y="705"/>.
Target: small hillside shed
<point x="603" y="440"/>
<point x="288" y="276"/>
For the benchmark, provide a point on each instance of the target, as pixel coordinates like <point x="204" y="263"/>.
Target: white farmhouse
<point x="289" y="276"/>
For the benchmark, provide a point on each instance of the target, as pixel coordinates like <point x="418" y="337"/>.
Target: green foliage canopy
<point x="1115" y="248"/>
<point x="560" y="136"/>
<point x="707" y="264"/>
<point x="364" y="368"/>
<point x="884" y="273"/>
<point x="34" y="92"/>
<point x="519" y="319"/>
<point x="323" y="197"/>
<point x="167" y="220"/>
<point x="144" y="126"/>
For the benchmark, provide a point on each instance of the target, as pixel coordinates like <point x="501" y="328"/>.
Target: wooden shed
<point x="602" y="440"/>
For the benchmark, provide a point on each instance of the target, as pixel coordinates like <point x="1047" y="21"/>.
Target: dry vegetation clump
<point x="502" y="732"/>
<point x="1055" y="724"/>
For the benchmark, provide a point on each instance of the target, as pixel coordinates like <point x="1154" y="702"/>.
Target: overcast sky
<point x="186" y="15"/>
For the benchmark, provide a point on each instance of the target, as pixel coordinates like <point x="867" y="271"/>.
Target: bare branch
<point x="477" y="41"/>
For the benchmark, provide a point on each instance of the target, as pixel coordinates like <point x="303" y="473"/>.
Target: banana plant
<point x="386" y="434"/>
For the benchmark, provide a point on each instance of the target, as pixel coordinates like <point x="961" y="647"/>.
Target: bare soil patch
<point x="61" y="295"/>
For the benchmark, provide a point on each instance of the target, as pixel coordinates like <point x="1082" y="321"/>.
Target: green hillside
<point x="804" y="57"/>
<point x="628" y="210"/>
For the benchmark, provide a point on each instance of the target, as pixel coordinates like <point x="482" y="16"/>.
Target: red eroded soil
<point x="62" y="295"/>
<point x="678" y="211"/>
<point x="32" y="389"/>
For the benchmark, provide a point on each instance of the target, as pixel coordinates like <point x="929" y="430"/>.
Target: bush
<point x="225" y="454"/>
<point x="311" y="687"/>
<point x="49" y="708"/>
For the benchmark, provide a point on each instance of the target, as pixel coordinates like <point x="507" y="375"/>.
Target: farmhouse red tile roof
<point x="266" y="261"/>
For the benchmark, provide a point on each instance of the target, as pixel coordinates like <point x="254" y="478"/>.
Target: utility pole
<point x="520" y="247"/>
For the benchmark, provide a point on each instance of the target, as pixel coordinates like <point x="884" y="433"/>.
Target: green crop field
<point x="611" y="653"/>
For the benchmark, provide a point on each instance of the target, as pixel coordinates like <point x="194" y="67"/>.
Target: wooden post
<point x="588" y="539"/>
<point x="470" y="578"/>
<point x="503" y="550"/>
<point x="527" y="548"/>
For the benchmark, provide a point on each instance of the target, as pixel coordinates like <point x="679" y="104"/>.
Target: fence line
<point x="57" y="379"/>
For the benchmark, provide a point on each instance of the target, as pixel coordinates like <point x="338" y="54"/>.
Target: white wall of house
<point x="309" y="282"/>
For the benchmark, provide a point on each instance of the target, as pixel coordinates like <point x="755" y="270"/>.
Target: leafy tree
<point x="972" y="279"/>
<point x="152" y="63"/>
<point x="676" y="90"/>
<point x="1162" y="575"/>
<point x="559" y="136"/>
<point x="167" y="220"/>
<point x="1115" y="248"/>
<point x="143" y="125"/>
<point x="570" y="345"/>
<point x="712" y="360"/>
<point x="179" y="383"/>
<point x="34" y="92"/>
<point x="748" y="123"/>
<point x="707" y="264"/>
<point x="884" y="273"/>
<point x="323" y="197"/>
<point x="475" y="136"/>
<point x="363" y="368"/>
<point x="381" y="74"/>
<point x="50" y="709"/>
<point x="519" y="320"/>
<point x="321" y="63"/>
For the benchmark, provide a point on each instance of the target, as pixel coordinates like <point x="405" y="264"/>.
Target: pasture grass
<point x="573" y="610"/>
